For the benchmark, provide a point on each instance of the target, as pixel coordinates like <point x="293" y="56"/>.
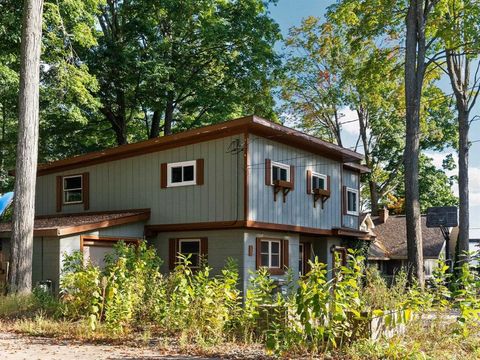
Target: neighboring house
<point x="474" y="248"/>
<point x="388" y="251"/>
<point x="261" y="193"/>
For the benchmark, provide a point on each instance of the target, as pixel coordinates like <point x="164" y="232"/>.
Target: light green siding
<point x="134" y="183"/>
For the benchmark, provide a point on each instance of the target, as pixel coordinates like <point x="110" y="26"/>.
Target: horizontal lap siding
<point x="350" y="179"/>
<point x="298" y="208"/>
<point x="134" y="183"/>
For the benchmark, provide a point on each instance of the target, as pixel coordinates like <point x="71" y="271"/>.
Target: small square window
<point x="270" y="253"/>
<point x="319" y="181"/>
<point x="352" y="201"/>
<point x="280" y="172"/>
<point x="72" y="189"/>
<point x="181" y="174"/>
<point x="190" y="248"/>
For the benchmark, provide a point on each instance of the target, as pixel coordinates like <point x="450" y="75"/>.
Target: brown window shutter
<point x="344" y="200"/>
<point x="86" y="190"/>
<point x="286" y="253"/>
<point x="200" y="171"/>
<point x="268" y="172"/>
<point x="172" y="253"/>
<point x="163" y="175"/>
<point x="309" y="181"/>
<point x="59" y="193"/>
<point x="328" y="182"/>
<point x="204" y="246"/>
<point x="292" y="176"/>
<point x="258" y="254"/>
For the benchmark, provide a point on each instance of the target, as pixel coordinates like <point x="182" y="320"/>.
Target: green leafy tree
<point x="68" y="106"/>
<point x="328" y="70"/>
<point x="435" y="187"/>
<point x="459" y="34"/>
<point x="176" y="65"/>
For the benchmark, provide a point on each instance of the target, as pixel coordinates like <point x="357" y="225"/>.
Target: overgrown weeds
<point x="323" y="313"/>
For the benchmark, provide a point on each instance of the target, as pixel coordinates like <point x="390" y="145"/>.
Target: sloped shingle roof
<point x="391" y="241"/>
<point x="60" y="225"/>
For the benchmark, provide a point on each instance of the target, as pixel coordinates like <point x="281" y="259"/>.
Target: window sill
<point x="274" y="271"/>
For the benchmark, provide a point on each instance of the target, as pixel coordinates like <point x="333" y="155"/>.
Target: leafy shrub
<point x="80" y="289"/>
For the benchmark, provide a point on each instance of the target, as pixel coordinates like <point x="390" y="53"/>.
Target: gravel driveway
<point x="17" y="347"/>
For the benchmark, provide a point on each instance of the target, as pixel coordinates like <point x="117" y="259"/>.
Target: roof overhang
<point x="361" y="235"/>
<point x="357" y="167"/>
<point x="242" y="224"/>
<point x="57" y="225"/>
<point x="249" y="124"/>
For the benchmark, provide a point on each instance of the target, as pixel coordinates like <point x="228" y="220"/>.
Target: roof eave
<point x="253" y="124"/>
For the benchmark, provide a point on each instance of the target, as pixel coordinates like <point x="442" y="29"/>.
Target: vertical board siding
<point x="250" y="262"/>
<point x="222" y="244"/>
<point x="298" y="208"/>
<point x="134" y="183"/>
<point x="351" y="180"/>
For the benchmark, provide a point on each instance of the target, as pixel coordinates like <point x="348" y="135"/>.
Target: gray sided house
<point x="248" y="189"/>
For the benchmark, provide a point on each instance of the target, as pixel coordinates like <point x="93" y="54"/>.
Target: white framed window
<point x="271" y="253"/>
<point x="191" y="248"/>
<point x="280" y="171"/>
<point x="182" y="173"/>
<point x="319" y="181"/>
<point x="72" y="189"/>
<point x="352" y="201"/>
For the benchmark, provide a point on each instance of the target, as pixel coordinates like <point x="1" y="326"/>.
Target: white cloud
<point x="349" y="119"/>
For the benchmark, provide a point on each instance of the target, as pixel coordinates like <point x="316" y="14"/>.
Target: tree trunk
<point x="118" y="125"/>
<point x="464" y="213"/>
<point x="459" y="73"/>
<point x="20" y="274"/>
<point x="372" y="185"/>
<point x="169" y="108"/>
<point x="155" y="127"/>
<point x="373" y="195"/>
<point x="414" y="74"/>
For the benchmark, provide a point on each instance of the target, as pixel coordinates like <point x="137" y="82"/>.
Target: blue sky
<point x="290" y="13"/>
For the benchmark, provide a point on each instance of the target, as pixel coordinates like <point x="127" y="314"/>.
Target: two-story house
<point x="249" y="189"/>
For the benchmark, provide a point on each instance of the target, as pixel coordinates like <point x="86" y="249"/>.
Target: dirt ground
<point x="18" y="347"/>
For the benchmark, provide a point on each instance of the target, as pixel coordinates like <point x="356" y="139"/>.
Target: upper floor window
<point x="319" y="181"/>
<point x="280" y="172"/>
<point x="352" y="201"/>
<point x="72" y="189"/>
<point x="182" y="173"/>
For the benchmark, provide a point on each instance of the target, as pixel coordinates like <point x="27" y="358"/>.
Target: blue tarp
<point x="5" y="201"/>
